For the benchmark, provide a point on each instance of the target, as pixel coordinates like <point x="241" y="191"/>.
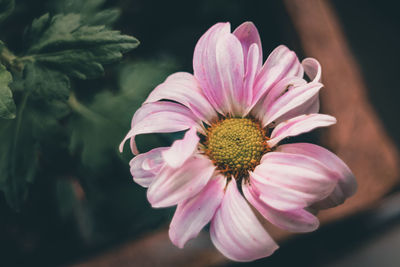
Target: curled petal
<point x="247" y="34"/>
<point x="298" y="220"/>
<point x="298" y="125"/>
<point x="183" y="88"/>
<point x="182" y="149"/>
<point x="193" y="214"/>
<point x="347" y="184"/>
<point x="312" y="69"/>
<point x="281" y="63"/>
<point x="289" y="181"/>
<point x="235" y="230"/>
<point x="295" y="97"/>
<point x="205" y="65"/>
<point x="283" y="86"/>
<point x="310" y="106"/>
<point x="159" y="117"/>
<point x="144" y="167"/>
<point x="173" y="186"/>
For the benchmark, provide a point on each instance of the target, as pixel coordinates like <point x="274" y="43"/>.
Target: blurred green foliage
<point x="64" y="109"/>
<point x="96" y="129"/>
<point x="58" y="47"/>
<point x="6" y="8"/>
<point x="7" y="105"/>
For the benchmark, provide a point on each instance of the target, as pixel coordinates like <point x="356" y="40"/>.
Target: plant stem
<point x="14" y="149"/>
<point x="19" y="118"/>
<point x="82" y="109"/>
<point x="10" y="60"/>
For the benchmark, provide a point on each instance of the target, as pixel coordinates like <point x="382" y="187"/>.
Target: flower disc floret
<point x="236" y="145"/>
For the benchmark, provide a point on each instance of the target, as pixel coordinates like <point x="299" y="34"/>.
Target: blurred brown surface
<point x="358" y="138"/>
<point x="157" y="250"/>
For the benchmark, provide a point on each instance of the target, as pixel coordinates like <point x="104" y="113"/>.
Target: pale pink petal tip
<point x="144" y="167"/>
<point x="235" y="230"/>
<point x="181" y="150"/>
<point x="173" y="186"/>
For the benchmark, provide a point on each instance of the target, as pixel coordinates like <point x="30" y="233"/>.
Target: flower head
<point x="236" y="110"/>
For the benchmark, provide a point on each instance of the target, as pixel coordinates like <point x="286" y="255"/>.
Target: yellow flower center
<point x="236" y="145"/>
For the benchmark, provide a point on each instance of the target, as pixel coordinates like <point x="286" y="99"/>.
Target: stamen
<point x="236" y="145"/>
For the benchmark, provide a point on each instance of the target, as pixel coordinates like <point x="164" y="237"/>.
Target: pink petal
<point x="193" y="214"/>
<point x="308" y="107"/>
<point x="173" y="186"/>
<point x="298" y="125"/>
<point x="289" y="181"/>
<point x="230" y="67"/>
<point x="182" y="149"/>
<point x="312" y="69"/>
<point x="144" y="167"/>
<point x="183" y="88"/>
<point x="249" y="77"/>
<point x="297" y="220"/>
<point x="281" y="63"/>
<point x="247" y="34"/>
<point x="235" y="230"/>
<point x="295" y="97"/>
<point x="277" y="91"/>
<point x="205" y="64"/>
<point x="347" y="184"/>
<point x="159" y="117"/>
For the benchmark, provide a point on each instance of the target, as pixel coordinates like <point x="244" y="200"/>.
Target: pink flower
<point x="236" y="111"/>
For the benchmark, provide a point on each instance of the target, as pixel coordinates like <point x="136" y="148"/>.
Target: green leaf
<point x="77" y="6"/>
<point x="78" y="50"/>
<point x="7" y="105"/>
<point x="98" y="128"/>
<point x="20" y="149"/>
<point x="18" y="159"/>
<point x="104" y="17"/>
<point x="91" y="11"/>
<point x="46" y="83"/>
<point x="6" y="8"/>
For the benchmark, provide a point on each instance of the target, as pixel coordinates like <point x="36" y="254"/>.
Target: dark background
<point x="69" y="217"/>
